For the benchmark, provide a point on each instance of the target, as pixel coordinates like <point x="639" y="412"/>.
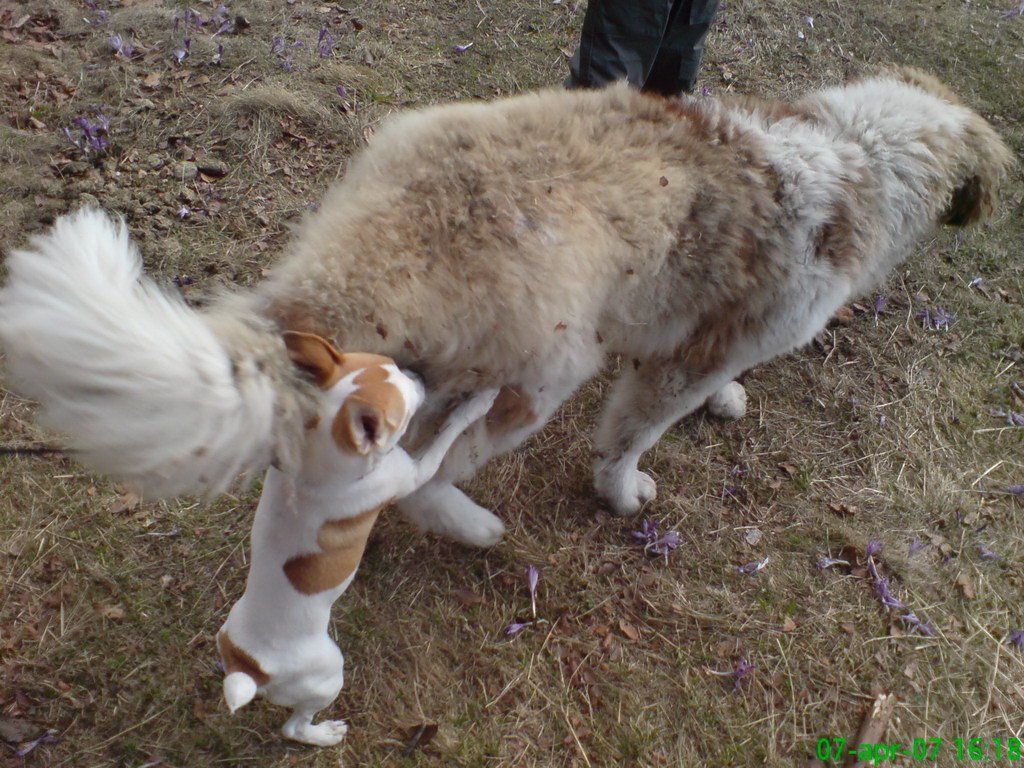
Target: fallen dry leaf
<point x="843" y="510"/>
<point x="628" y="630"/>
<point x="418" y="736"/>
<point x="126" y="502"/>
<point x="115" y="612"/>
<point x="964" y="582"/>
<point x="467" y="596"/>
<point x="15" y="731"/>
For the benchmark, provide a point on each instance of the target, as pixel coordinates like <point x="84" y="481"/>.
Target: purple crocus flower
<point x="824" y="561"/>
<point x="659" y="545"/>
<point x="1018" y="11"/>
<point x="340" y="89"/>
<point x="873" y="548"/>
<point x="94" y="137"/>
<point x="921" y="626"/>
<point x="516" y="628"/>
<point x="664" y="544"/>
<point x="752" y="568"/>
<point x="987" y="554"/>
<point x="325" y="44"/>
<point x="1017" y="638"/>
<point x="532" y="577"/>
<point x="915" y="546"/>
<point x="28" y="746"/>
<point x="186" y="47"/>
<point x="120" y="46"/>
<point x="1013" y="418"/>
<point x="742" y="673"/>
<point x="879" y="305"/>
<point x="648" y="531"/>
<point x="462" y="48"/>
<point x="889" y="600"/>
<point x="1016" y="490"/>
<point x="935" y="318"/>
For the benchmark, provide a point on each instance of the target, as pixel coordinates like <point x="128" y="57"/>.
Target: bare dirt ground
<point x="887" y="430"/>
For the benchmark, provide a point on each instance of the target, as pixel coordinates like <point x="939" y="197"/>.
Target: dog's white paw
<point x="445" y="510"/>
<point x="325" y="734"/>
<point x="625" y="488"/>
<point x="730" y="402"/>
<point x="475" y="408"/>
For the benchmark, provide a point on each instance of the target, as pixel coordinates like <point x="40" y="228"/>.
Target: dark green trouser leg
<point x="655" y="44"/>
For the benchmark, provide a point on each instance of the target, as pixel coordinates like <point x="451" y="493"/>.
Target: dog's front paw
<point x="730" y="402"/>
<point x="476" y="407"/>
<point x="625" y="488"/>
<point x="325" y="734"/>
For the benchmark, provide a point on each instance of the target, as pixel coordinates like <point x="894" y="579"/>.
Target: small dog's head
<point x="365" y="408"/>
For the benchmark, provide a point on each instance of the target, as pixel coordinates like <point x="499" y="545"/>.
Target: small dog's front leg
<point x="429" y="460"/>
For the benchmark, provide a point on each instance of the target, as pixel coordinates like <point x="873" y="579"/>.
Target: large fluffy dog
<point x="514" y="244"/>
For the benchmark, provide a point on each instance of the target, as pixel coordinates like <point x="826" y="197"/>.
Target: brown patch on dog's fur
<point x="342" y="543"/>
<point x="840" y="240"/>
<point x="512" y="410"/>
<point x="237" y="660"/>
<point x="709" y="344"/>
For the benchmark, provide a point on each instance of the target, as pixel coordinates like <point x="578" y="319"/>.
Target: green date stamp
<point x="922" y="749"/>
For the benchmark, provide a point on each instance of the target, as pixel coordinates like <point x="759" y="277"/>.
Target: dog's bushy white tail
<point x="143" y="386"/>
<point x="239" y="690"/>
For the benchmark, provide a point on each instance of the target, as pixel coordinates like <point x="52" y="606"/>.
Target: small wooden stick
<point x="872" y="728"/>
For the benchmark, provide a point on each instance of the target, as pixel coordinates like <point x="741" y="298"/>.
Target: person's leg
<point x="675" y="68"/>
<point x="620" y="39"/>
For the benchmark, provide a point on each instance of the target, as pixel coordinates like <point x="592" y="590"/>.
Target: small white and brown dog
<point x="311" y="529"/>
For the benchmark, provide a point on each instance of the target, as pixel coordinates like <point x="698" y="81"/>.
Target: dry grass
<point x="107" y="612"/>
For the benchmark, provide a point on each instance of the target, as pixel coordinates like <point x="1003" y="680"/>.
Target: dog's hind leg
<point x="322" y="685"/>
<point x="647" y="399"/>
<point x="324" y="734"/>
<point x="518" y="412"/>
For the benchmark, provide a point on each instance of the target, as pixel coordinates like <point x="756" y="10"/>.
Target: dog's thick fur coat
<point x="519" y="244"/>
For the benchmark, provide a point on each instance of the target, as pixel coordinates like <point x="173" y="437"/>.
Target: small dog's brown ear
<point x="360" y="427"/>
<point x="315" y="354"/>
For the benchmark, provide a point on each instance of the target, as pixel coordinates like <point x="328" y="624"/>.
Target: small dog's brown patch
<point x="342" y="543"/>
<point x="375" y="398"/>
<point x="237" y="660"/>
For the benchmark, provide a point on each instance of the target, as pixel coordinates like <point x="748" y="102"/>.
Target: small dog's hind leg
<point x="324" y="734"/>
